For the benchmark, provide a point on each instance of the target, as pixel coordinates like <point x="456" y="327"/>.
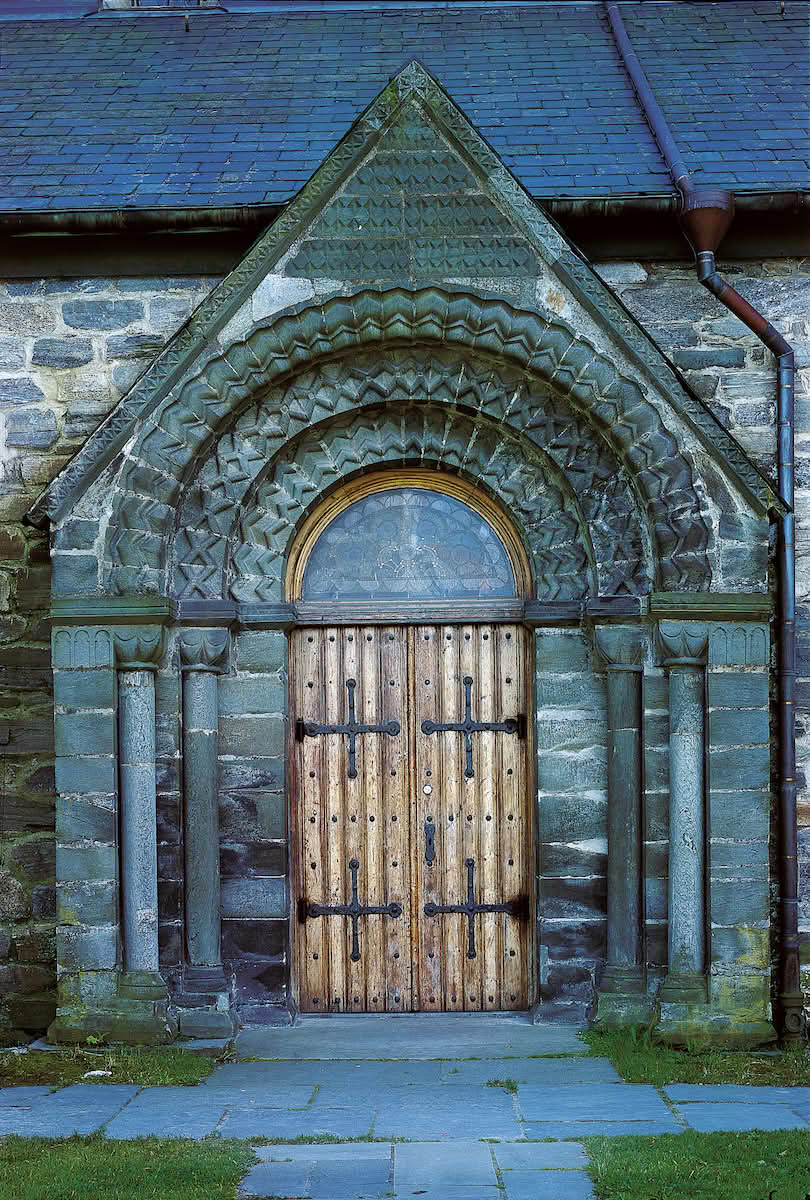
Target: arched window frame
<point x="450" y="485"/>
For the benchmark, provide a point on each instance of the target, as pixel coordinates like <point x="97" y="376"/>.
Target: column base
<point x="615" y="1010"/>
<point x="205" y="979"/>
<point x="625" y="981"/>
<point x="684" y="987"/>
<point x="203" y="1007"/>
<point x="694" y="1025"/>
<point x="130" y="1024"/>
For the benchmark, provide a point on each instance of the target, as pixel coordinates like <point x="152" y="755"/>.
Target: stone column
<point x="622" y="991"/>
<point x="137" y="651"/>
<point x="202" y="657"/>
<point x="685" y="646"/>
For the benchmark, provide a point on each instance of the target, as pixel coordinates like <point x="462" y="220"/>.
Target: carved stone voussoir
<point x="622" y="647"/>
<point x="683" y="643"/>
<point x="138" y="647"/>
<point x="203" y="649"/>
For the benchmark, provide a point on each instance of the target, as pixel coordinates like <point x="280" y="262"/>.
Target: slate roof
<point x="129" y="110"/>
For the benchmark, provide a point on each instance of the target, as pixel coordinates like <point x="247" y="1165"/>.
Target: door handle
<point x="430" y="849"/>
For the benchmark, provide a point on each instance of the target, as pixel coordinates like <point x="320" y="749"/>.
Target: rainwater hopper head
<point x="706" y="216"/>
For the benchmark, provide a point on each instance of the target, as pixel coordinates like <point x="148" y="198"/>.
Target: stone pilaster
<point x="203" y="656"/>
<point x="685" y="649"/>
<point x="138" y="650"/>
<point x="623" y="998"/>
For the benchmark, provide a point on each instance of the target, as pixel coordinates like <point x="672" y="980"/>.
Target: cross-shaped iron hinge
<point x="352" y="729"/>
<point x="468" y="726"/>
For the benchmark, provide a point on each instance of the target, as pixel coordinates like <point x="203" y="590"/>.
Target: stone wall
<point x="730" y="369"/>
<point x="68" y="350"/>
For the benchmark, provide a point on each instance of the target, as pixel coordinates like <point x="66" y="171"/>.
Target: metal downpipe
<point x="706" y="216"/>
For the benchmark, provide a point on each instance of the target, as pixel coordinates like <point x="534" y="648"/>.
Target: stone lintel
<point x="619" y="608"/>
<point x="112" y="610"/>
<point x="538" y="613"/>
<point x="207" y="612"/>
<point x="267" y="616"/>
<point x="710" y="606"/>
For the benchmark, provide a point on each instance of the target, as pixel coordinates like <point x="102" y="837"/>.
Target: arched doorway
<point x="411" y="827"/>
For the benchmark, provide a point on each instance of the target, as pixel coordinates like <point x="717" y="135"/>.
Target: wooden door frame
<point x="295" y="872"/>
<point x="411" y="613"/>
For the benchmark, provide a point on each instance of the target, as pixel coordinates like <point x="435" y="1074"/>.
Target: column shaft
<point x="139" y="901"/>
<point x="200" y="721"/>
<point x="624" y="945"/>
<point x="687" y="854"/>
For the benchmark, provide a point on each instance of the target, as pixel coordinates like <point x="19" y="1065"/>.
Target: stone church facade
<point x="409" y="620"/>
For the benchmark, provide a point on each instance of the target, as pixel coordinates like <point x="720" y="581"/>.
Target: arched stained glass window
<point x="408" y="543"/>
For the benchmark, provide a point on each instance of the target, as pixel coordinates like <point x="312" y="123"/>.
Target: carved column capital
<point x="138" y="647"/>
<point x="683" y="643"/>
<point x="203" y="649"/>
<point x="621" y="647"/>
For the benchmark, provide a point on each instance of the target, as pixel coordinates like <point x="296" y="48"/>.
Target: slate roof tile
<point x="130" y="109"/>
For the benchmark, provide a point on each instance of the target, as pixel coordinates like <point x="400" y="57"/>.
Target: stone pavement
<point x="457" y="1106"/>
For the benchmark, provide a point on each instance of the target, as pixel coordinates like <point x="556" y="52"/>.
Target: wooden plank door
<point x="352" y="829"/>
<point x="472" y="806"/>
<point x="420" y="823"/>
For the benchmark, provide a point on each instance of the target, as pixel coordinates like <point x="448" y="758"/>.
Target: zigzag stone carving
<point x="547" y="354"/>
<point x="582" y="466"/>
<point x="548" y="516"/>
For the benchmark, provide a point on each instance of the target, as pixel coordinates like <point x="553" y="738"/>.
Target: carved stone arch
<point x="545" y="351"/>
<point x="539" y="500"/>
<point x="576" y="463"/>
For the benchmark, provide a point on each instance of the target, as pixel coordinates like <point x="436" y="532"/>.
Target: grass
<point x="144" y="1067"/>
<point x="638" y="1059"/>
<point x="702" y="1166"/>
<point x="86" y="1168"/>
<point x="508" y="1085"/>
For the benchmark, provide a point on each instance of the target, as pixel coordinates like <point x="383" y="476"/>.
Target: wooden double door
<point x="412" y="843"/>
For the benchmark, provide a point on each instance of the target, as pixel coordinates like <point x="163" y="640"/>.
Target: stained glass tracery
<point x="408" y="543"/>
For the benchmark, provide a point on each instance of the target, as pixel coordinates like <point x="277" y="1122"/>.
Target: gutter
<point x="255" y="217"/>
<point x="706" y="214"/>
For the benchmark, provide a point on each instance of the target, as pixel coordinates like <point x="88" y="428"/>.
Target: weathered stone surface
<point x="62" y="352"/>
<point x="15" y="904"/>
<point x="101" y="314"/>
<point x="258" y="897"/>
<point x="31" y="428"/>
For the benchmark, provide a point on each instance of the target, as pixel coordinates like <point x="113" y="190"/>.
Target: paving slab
<point x="593" y="1128"/>
<point x="20" y="1097"/>
<point x="257" y="1075"/>
<point x="167" y="1112"/>
<point x="738" y="1092"/>
<point x="457" y="1164"/>
<point x="548" y="1185"/>
<point x="449" y="1192"/>
<point x="358" y="1179"/>
<point x="256" y="1122"/>
<point x="276" y="1179"/>
<point x="734" y="1118"/>
<point x="606" y="1101"/>
<point x="537" y="1156"/>
<point x="315" y="1151"/>
<point x="530" y="1070"/>
<point x="80" y="1108"/>
<point x="412" y="1036"/>
<point x="427" y="1115"/>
